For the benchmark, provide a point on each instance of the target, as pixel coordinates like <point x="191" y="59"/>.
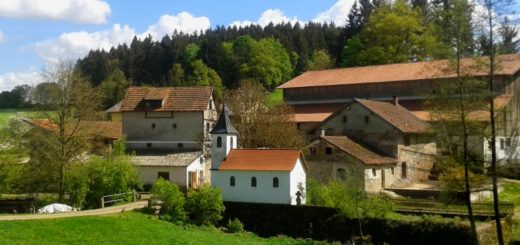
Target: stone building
<point x="315" y="95"/>
<point x="178" y="118"/>
<point x="255" y="175"/>
<point x="379" y="144"/>
<point x="168" y="130"/>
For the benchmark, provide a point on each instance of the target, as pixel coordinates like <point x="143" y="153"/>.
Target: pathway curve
<point x="91" y="212"/>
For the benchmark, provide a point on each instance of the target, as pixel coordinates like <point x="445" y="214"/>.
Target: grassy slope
<point x="127" y="228"/>
<point x="275" y="98"/>
<point x="6" y="114"/>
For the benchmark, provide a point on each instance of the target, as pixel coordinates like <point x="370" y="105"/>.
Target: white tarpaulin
<point x="55" y="208"/>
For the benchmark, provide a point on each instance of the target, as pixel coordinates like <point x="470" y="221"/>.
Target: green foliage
<point x="235" y="226"/>
<point x="205" y="205"/>
<point x="394" y="33"/>
<point x="346" y="197"/>
<point x="205" y="76"/>
<point x="172" y="199"/>
<point x="452" y="181"/>
<point x="320" y="60"/>
<point x="114" y="87"/>
<point x="102" y="176"/>
<point x="175" y="76"/>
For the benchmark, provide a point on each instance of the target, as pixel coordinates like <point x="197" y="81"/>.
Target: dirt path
<point x="101" y="211"/>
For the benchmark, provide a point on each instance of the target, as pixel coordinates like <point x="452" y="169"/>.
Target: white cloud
<point x="74" y="45"/>
<point x="2" y="37"/>
<point x="182" y="22"/>
<point x="274" y="16"/>
<point x="81" y="11"/>
<point x="336" y="14"/>
<point x="12" y="79"/>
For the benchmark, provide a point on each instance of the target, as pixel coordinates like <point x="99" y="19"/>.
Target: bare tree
<point x="63" y="121"/>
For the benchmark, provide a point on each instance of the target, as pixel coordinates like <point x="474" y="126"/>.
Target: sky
<point x="34" y="34"/>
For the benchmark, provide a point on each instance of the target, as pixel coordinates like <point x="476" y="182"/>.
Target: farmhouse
<point x="315" y="95"/>
<point x="177" y="118"/>
<point x="377" y="144"/>
<point x="255" y="175"/>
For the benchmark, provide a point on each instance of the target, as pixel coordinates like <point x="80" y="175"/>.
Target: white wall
<point x="262" y="193"/>
<point x="298" y="179"/>
<point x="507" y="153"/>
<point x="178" y="175"/>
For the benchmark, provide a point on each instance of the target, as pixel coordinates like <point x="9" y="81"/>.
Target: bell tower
<point x="224" y="137"/>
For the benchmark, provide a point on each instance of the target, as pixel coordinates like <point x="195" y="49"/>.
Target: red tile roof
<point x="358" y="151"/>
<point x="508" y="65"/>
<point x="261" y="159"/>
<point x="314" y="112"/>
<point x="104" y="129"/>
<point x="398" y="116"/>
<point x="173" y="99"/>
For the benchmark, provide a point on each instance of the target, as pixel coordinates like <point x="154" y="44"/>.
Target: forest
<point x="377" y="32"/>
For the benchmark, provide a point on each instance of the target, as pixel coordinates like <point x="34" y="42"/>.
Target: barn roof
<point x="178" y="159"/>
<point x="358" y="151"/>
<point x="396" y="115"/>
<point x="105" y="129"/>
<point x="261" y="159"/>
<point x="507" y="65"/>
<point x="171" y="98"/>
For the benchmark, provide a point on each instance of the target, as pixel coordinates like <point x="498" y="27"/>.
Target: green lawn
<point x="127" y="228"/>
<point x="275" y="98"/>
<point x="511" y="192"/>
<point x="6" y="114"/>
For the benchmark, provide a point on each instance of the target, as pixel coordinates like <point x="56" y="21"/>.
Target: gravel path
<point x="91" y="212"/>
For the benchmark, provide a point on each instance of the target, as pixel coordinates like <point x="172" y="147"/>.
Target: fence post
<point x="102" y="202"/>
<point x="134" y="195"/>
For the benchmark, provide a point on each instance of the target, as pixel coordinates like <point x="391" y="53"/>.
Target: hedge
<point x="323" y="223"/>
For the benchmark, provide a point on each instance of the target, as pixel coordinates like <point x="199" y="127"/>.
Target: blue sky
<point x="36" y="33"/>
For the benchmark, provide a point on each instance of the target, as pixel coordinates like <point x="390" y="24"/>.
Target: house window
<point x="207" y="127"/>
<point x="232" y="181"/>
<point x="367" y="119"/>
<point x="392" y="170"/>
<point x="180" y="145"/>
<point x="341" y="174"/>
<point x="313" y="150"/>
<point x="406" y="140"/>
<point x="201" y="160"/>
<point x="148" y="145"/>
<point x="374" y="172"/>
<point x="344" y="119"/>
<point x="298" y="126"/>
<point x="153" y="125"/>
<point x="508" y="142"/>
<point x="253" y="182"/>
<point x="174" y="126"/>
<point x="232" y="144"/>
<point x="164" y="175"/>
<point x="219" y="142"/>
<point x="404" y="170"/>
<point x="211" y="104"/>
<point x="328" y="150"/>
<point x="502" y="144"/>
<point x="275" y="182"/>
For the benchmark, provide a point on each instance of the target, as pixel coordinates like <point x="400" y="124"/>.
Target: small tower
<point x="224" y="137"/>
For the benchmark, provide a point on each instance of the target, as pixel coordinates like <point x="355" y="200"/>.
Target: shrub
<point x="235" y="226"/>
<point x="173" y="200"/>
<point x="205" y="205"/>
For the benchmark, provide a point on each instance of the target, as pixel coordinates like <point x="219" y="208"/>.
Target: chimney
<point x="395" y="100"/>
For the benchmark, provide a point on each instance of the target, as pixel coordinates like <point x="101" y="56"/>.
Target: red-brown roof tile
<point x="261" y="159"/>
<point x="314" y="112"/>
<point x="507" y="65"/>
<point x="173" y="99"/>
<point x="104" y="129"/>
<point x="396" y="115"/>
<point x="358" y="151"/>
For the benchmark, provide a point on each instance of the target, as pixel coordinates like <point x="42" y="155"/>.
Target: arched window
<point x="232" y="142"/>
<point x="275" y="182"/>
<point x="253" y="182"/>
<point x="219" y="142"/>
<point x="232" y="181"/>
<point x="341" y="174"/>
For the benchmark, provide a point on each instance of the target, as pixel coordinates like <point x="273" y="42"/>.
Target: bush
<point x="205" y="205"/>
<point x="235" y="226"/>
<point x="173" y="200"/>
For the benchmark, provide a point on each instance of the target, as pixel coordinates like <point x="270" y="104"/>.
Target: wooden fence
<point x="480" y="209"/>
<point x="116" y="198"/>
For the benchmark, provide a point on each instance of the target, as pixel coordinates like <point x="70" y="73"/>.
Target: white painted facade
<point x="264" y="192"/>
<point x="507" y="149"/>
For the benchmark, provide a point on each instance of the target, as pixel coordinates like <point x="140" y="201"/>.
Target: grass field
<point x="511" y="192"/>
<point x="6" y="114"/>
<point x="127" y="228"/>
<point x="275" y="97"/>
